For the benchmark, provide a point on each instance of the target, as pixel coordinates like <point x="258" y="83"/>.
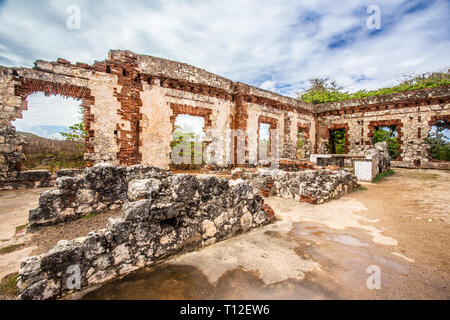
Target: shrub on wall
<point x="324" y="90"/>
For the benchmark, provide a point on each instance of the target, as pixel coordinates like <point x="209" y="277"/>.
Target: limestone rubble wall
<point x="413" y="114"/>
<point x="165" y="216"/>
<point x="309" y="185"/>
<point x="380" y="154"/>
<point x="90" y="191"/>
<point x="28" y="179"/>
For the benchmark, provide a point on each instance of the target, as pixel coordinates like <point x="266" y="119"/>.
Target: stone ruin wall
<point x="131" y="102"/>
<point x="413" y="113"/>
<point x="165" y="214"/>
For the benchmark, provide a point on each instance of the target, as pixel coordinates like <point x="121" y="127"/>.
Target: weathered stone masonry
<point x="165" y="214"/>
<point x="131" y="101"/>
<point x="413" y="113"/>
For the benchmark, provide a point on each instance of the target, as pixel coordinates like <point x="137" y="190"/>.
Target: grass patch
<point x="90" y="215"/>
<point x="420" y="175"/>
<point x="8" y="285"/>
<point x="383" y="175"/>
<point x="20" y="228"/>
<point x="10" y="248"/>
<point x="359" y="188"/>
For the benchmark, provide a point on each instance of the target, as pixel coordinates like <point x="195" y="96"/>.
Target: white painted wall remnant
<point x="363" y="169"/>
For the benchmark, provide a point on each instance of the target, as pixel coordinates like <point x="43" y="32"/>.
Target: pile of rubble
<point x="313" y="186"/>
<point x="166" y="214"/>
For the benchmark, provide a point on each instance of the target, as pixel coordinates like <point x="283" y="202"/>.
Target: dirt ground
<point x="16" y="243"/>
<point x="399" y="227"/>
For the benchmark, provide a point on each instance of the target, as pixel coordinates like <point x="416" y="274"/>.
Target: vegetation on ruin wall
<point x="8" y="286"/>
<point x="51" y="154"/>
<point x="324" y="90"/>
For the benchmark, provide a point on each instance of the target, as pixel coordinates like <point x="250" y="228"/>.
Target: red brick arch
<point x="435" y="119"/>
<point x="31" y="86"/>
<point x="305" y="128"/>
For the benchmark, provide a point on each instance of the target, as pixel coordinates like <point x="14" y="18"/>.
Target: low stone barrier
<point x="434" y="164"/>
<point x="93" y="190"/>
<point x="28" y="180"/>
<point x="167" y="215"/>
<point x="314" y="186"/>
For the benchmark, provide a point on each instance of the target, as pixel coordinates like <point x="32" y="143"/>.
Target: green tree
<point x="439" y="142"/>
<point x="76" y="132"/>
<point x="321" y="90"/>
<point x="338" y="140"/>
<point x="300" y="141"/>
<point x="181" y="135"/>
<point x="387" y="134"/>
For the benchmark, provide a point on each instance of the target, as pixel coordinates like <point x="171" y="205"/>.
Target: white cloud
<point x="276" y="45"/>
<point x="48" y="111"/>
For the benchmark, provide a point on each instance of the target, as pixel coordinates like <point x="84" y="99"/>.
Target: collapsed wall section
<point x="166" y="215"/>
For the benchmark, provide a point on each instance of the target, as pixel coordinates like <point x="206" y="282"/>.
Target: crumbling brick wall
<point x="128" y="104"/>
<point x="413" y="113"/>
<point x="129" y="101"/>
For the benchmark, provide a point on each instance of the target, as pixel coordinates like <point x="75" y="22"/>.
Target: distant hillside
<point x="49" y="132"/>
<point x="52" y="154"/>
<point x="28" y="134"/>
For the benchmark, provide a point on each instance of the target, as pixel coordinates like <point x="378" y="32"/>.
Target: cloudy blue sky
<point x="275" y="45"/>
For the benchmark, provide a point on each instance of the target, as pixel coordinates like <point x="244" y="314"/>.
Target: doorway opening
<point x="264" y="141"/>
<point x="187" y="143"/>
<point x="337" y="141"/>
<point x="390" y="135"/>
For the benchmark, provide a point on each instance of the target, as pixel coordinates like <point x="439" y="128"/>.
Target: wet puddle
<point x="344" y="256"/>
<point x="183" y="282"/>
